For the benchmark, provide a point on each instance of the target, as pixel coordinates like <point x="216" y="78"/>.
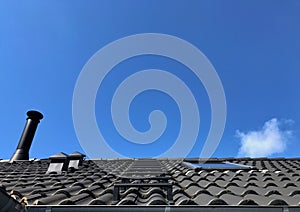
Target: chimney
<point x="22" y="151"/>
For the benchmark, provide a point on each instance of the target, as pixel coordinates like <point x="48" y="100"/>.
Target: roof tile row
<point x="273" y="182"/>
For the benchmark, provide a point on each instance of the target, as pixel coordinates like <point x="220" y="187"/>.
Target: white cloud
<point x="265" y="142"/>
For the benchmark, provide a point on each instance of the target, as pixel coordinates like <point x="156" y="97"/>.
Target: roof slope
<point x="152" y="181"/>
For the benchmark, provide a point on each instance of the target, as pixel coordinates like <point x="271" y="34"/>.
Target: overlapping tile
<point x="273" y="182"/>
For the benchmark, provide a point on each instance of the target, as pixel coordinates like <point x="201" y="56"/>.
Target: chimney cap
<point x="33" y="114"/>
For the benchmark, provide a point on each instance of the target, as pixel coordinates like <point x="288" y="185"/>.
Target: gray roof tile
<point x="203" y="199"/>
<point x="231" y="199"/>
<point x="274" y="182"/>
<point x="104" y="199"/>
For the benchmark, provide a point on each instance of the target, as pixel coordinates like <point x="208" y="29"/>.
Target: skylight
<point x="217" y="165"/>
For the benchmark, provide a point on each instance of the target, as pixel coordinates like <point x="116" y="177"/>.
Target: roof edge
<point x="162" y="208"/>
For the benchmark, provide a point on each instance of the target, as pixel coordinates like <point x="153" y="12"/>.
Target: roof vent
<point x="76" y="159"/>
<point x="59" y="163"/>
<point x="22" y="151"/>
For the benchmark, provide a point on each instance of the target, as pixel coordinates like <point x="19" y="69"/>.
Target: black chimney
<point x="22" y="151"/>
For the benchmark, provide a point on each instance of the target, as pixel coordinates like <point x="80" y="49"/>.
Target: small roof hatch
<point x="76" y="159"/>
<point x="59" y="162"/>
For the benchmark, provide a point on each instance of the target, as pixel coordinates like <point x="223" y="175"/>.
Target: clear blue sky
<point x="253" y="45"/>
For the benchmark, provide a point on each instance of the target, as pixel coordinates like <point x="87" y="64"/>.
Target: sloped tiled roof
<point x="272" y="182"/>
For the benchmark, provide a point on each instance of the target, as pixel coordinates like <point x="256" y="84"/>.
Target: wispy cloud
<point x="271" y="139"/>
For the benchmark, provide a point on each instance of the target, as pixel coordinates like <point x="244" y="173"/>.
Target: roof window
<point x="216" y="165"/>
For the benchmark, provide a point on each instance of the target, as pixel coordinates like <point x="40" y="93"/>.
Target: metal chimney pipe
<point x="22" y="151"/>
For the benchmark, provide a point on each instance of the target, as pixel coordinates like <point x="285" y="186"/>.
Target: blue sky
<point x="253" y="45"/>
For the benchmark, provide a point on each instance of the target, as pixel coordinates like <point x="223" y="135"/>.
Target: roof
<point x="271" y="182"/>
